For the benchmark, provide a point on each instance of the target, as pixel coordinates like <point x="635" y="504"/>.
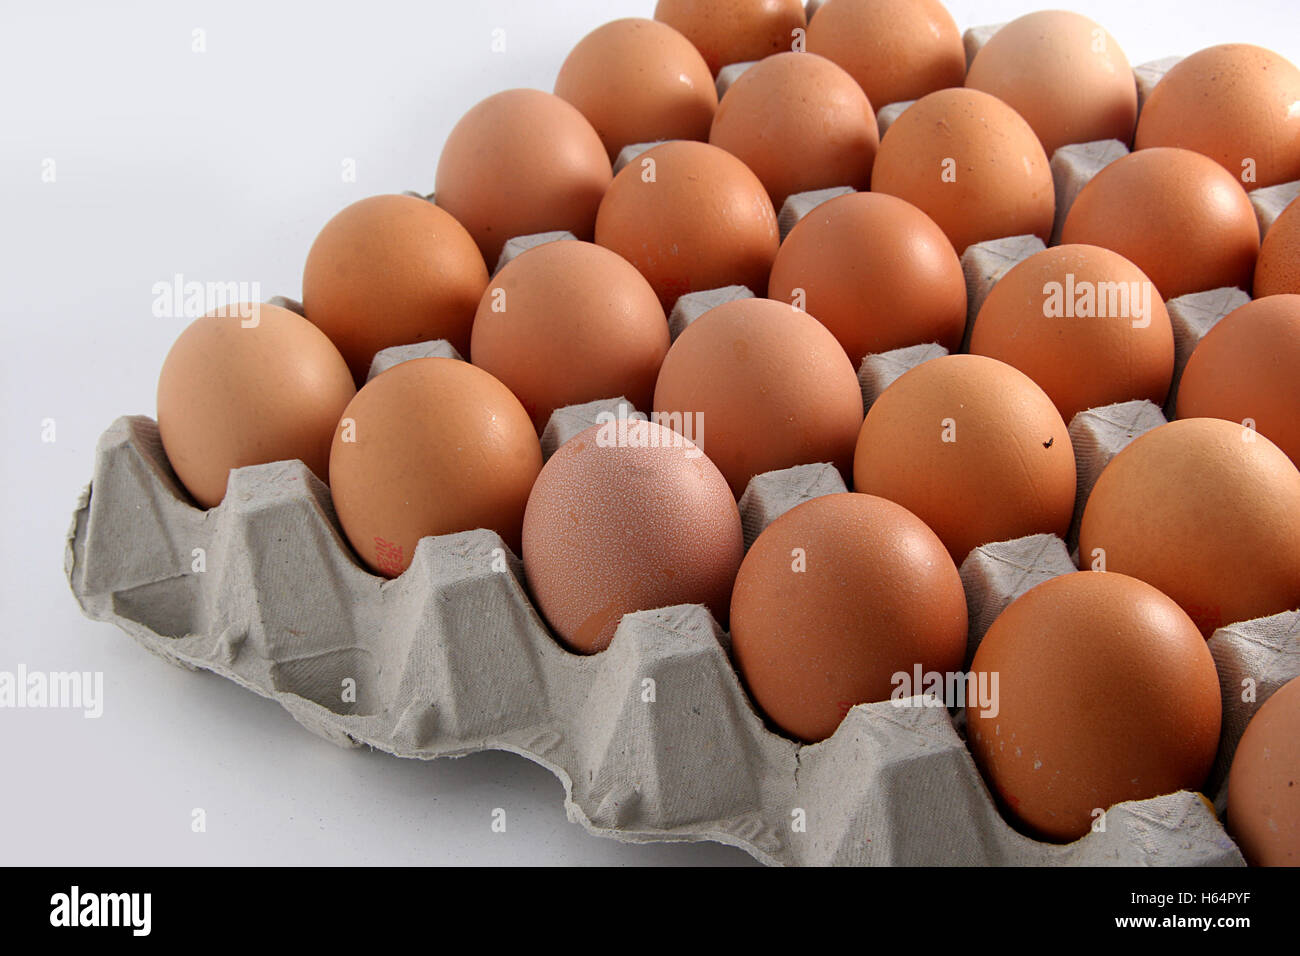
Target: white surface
<point x="222" y="166"/>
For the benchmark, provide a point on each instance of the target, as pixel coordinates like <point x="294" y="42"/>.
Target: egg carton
<point x="452" y="658"/>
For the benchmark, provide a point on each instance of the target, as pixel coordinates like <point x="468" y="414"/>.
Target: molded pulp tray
<point x="451" y="658"/>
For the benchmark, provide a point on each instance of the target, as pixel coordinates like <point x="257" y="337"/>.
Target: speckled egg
<point x="628" y="516"/>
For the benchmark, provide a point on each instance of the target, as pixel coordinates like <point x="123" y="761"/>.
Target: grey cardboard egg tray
<point x="452" y="658"/>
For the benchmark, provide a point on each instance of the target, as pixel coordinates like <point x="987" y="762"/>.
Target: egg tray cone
<point x="451" y="658"/>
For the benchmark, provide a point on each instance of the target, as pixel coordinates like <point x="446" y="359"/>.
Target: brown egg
<point x="761" y="386"/>
<point x="431" y="446"/>
<point x="522" y="162"/>
<point x="973" y="448"/>
<point x="1064" y="74"/>
<point x="247" y="385"/>
<point x="1085" y="324"/>
<point x="805" y="99"/>
<point x="1105" y="692"/>
<point x="896" y="49"/>
<point x="876" y="271"/>
<point x="690" y="217"/>
<point x="1236" y="103"/>
<point x="628" y="516"/>
<point x="971" y="164"/>
<point x="1264" y="783"/>
<point x="1174" y="214"/>
<point x="835" y="599"/>
<point x="639" y="81"/>
<point x="1278" y="268"/>
<point x="1208" y="512"/>
<point x="734" y="31"/>
<point x="571" y="322"/>
<point x="1247" y="369"/>
<point x="392" y="270"/>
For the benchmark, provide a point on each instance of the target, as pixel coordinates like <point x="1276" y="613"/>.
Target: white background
<point x="222" y="166"/>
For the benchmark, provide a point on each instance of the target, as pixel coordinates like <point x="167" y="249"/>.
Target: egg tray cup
<point x="654" y="739"/>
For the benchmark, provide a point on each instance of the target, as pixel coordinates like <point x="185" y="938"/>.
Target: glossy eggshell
<point x="1080" y="360"/>
<point x="973" y="448"/>
<point x="1248" y="368"/>
<point x="876" y="271"/>
<point x="1208" y="512"/>
<point x="734" y="31"/>
<point x="628" y="522"/>
<point x="1064" y="74"/>
<point x="873" y="594"/>
<point x="392" y="270"/>
<point x="896" y="49"/>
<point x="570" y="322"/>
<point x="1105" y="692"/>
<point x="1278" y="268"/>
<point x="765" y="386"/>
<point x="970" y="163"/>
<point x="1236" y="103"/>
<point x="690" y="217"/>
<point x="1264" y="783"/>
<point x="804" y="99"/>
<point x="232" y="395"/>
<point x="522" y="162"/>
<point x="639" y="81"/>
<point x="1174" y="214"/>
<point x="437" y="446"/>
